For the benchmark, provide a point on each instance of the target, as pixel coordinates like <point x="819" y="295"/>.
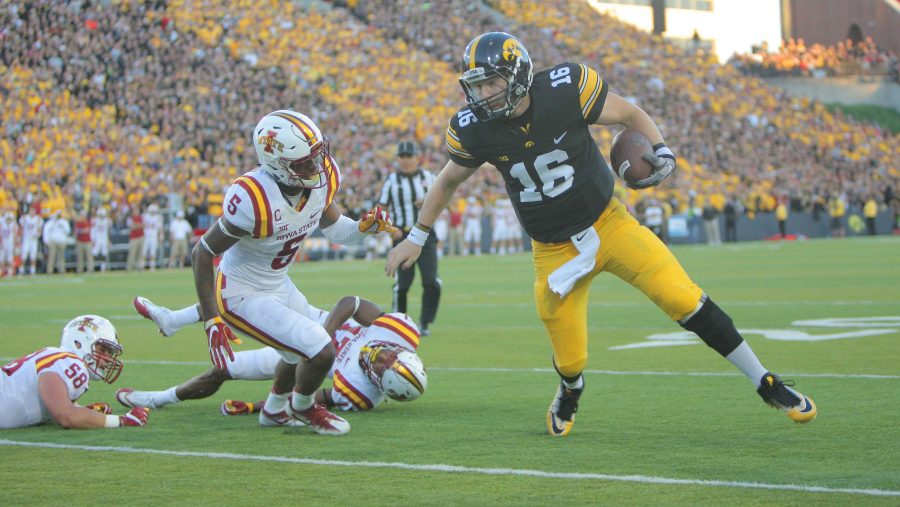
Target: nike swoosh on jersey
<point x="581" y="237"/>
<point x="556" y="140"/>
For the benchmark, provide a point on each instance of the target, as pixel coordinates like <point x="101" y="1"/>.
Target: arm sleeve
<point x="73" y="373"/>
<point x="240" y="209"/>
<point x="592" y="92"/>
<point x="354" y="391"/>
<point x="459" y="153"/>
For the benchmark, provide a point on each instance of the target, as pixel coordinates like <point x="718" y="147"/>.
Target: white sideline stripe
<point x="550" y="370"/>
<point x="644" y="479"/>
<point x="671" y="373"/>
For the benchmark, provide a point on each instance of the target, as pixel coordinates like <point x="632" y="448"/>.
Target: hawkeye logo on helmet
<point x="269" y="142"/>
<point x="511" y="50"/>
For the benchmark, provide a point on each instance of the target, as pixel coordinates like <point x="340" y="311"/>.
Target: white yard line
<point x="439" y="468"/>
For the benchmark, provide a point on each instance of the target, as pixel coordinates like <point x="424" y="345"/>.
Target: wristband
<point x="112" y="421"/>
<point x="355" y="305"/>
<point x="418" y="235"/>
<point x="661" y="150"/>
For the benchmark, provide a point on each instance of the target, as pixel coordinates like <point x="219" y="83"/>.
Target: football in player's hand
<point x="628" y="148"/>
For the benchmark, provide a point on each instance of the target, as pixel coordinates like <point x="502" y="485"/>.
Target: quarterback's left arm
<point x="343" y="230"/>
<point x="618" y="111"/>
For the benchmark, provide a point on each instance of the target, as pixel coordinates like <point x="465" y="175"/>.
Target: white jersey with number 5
<point x="20" y="401"/>
<point x="255" y="204"/>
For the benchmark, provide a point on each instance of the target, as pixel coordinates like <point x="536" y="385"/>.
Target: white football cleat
<point x="131" y="398"/>
<point x="320" y="420"/>
<point x="282" y="418"/>
<point x="158" y="314"/>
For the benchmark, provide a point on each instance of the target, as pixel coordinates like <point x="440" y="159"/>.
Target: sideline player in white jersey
<point x="376" y="359"/>
<point x="180" y="232"/>
<point x="153" y="231"/>
<point x="268" y="212"/>
<point x="500" y="231"/>
<point x="45" y="384"/>
<point x="8" y="235"/>
<point x="31" y="226"/>
<point x="100" y="227"/>
<point x="472" y="226"/>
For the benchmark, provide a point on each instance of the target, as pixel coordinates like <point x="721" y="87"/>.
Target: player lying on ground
<point x="45" y="384"/>
<point x="376" y="359"/>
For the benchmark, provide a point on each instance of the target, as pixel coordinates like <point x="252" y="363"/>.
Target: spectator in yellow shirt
<point x="837" y="209"/>
<point x="781" y="214"/>
<point x="870" y="211"/>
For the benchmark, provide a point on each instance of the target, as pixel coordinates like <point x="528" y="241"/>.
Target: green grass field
<point x="885" y="116"/>
<point x="664" y="425"/>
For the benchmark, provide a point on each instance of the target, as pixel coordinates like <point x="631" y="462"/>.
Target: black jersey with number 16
<point x="555" y="176"/>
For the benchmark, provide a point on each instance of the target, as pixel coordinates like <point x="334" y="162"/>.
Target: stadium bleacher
<point x="117" y="106"/>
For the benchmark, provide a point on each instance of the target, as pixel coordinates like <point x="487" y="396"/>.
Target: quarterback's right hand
<point x="663" y="162"/>
<point x="218" y="334"/>
<point x="403" y="256"/>
<point x="135" y="417"/>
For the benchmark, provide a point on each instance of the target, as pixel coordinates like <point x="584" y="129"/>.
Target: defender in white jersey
<point x="31" y="226"/>
<point x="153" y="231"/>
<point x="376" y="360"/>
<point x="499" y="226"/>
<point x="268" y="212"/>
<point x="9" y="230"/>
<point x="100" y="227"/>
<point x="45" y="384"/>
<point x="472" y="226"/>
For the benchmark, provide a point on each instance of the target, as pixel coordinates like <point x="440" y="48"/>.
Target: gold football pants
<point x="628" y="250"/>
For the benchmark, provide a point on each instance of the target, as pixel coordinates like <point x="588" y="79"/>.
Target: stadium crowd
<point x="123" y="105"/>
<point x="796" y="58"/>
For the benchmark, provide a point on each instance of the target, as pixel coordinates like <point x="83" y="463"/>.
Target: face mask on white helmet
<point x="94" y="340"/>
<point x="291" y="148"/>
<point x="399" y="373"/>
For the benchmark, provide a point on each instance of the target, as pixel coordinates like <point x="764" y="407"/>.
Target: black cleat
<point x="798" y="407"/>
<point x="561" y="415"/>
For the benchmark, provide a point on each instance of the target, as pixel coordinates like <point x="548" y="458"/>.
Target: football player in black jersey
<point x="534" y="130"/>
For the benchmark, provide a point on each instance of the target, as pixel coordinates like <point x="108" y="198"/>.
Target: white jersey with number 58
<point x="20" y="401"/>
<point x="255" y="204"/>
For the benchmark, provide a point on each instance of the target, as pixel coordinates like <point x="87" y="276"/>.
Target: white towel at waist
<point x="564" y="277"/>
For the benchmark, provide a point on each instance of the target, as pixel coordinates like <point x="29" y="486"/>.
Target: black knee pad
<point x="564" y="377"/>
<point x="715" y="328"/>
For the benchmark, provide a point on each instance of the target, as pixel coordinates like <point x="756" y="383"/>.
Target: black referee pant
<point x="431" y="284"/>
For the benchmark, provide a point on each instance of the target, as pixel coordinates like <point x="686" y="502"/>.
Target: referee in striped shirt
<point x="403" y="194"/>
